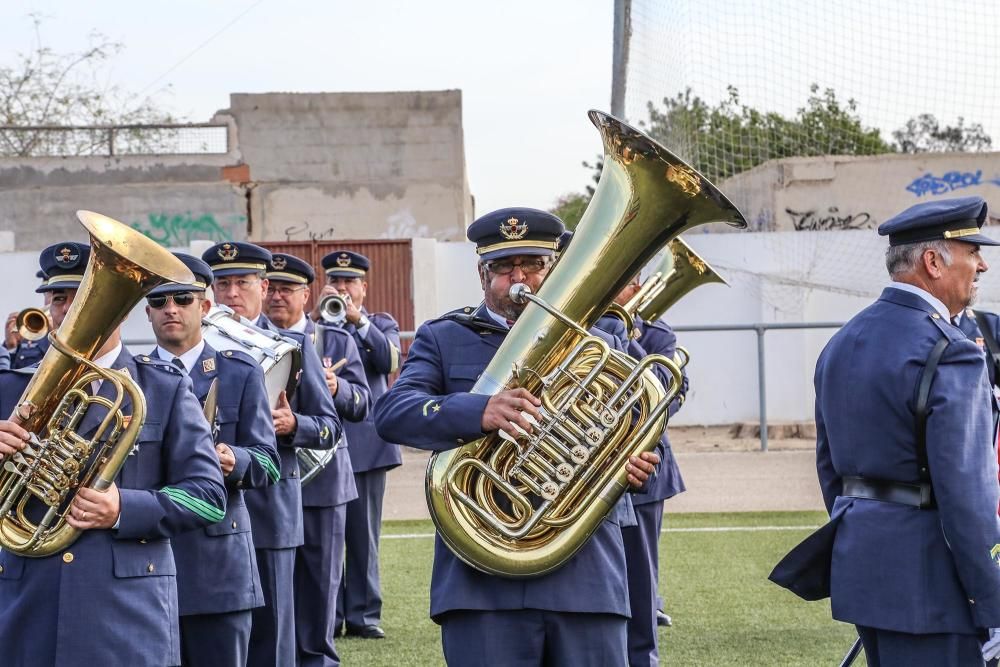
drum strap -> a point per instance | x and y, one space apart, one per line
320 340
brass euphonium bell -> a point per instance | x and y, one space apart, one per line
523 508
124 266
680 271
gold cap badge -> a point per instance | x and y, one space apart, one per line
228 252
513 229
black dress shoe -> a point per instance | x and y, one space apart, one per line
662 619
365 632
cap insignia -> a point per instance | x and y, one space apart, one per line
228 252
279 262
513 229
344 260
66 256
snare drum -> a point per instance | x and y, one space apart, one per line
279 357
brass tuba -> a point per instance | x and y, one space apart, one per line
680 271
124 266
523 507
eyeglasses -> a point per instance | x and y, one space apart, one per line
284 290
503 267
242 284
182 299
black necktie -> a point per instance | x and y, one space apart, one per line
176 361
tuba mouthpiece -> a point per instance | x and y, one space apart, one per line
519 293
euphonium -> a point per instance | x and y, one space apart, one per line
33 323
124 266
523 508
680 271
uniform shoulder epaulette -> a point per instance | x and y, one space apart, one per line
156 362
467 317
236 355
660 325
384 316
951 332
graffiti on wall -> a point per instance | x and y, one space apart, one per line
179 229
832 218
304 231
929 184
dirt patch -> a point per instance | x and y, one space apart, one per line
721 438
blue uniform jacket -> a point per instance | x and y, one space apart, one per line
659 338
276 510
29 352
111 597
443 364
242 421
4 359
970 326
334 485
894 566
380 355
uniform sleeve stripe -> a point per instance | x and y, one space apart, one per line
268 466
394 356
196 505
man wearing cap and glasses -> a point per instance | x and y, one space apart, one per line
359 601
111 596
319 560
215 601
577 614
904 453
309 420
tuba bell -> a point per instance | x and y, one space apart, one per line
680 271
520 505
33 323
124 266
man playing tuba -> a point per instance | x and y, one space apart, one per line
575 615
111 597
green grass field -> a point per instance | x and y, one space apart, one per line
714 582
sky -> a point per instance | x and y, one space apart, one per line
528 71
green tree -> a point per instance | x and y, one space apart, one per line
45 88
923 134
732 137
570 208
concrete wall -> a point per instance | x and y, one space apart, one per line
354 165
171 198
299 167
845 192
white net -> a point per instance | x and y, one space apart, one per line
731 84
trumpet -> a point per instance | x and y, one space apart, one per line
333 309
33 323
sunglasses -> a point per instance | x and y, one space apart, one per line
158 301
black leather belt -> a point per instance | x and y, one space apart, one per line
916 494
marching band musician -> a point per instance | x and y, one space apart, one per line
577 614
642 540
309 420
359 600
319 560
111 597
25 353
217 583
911 552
